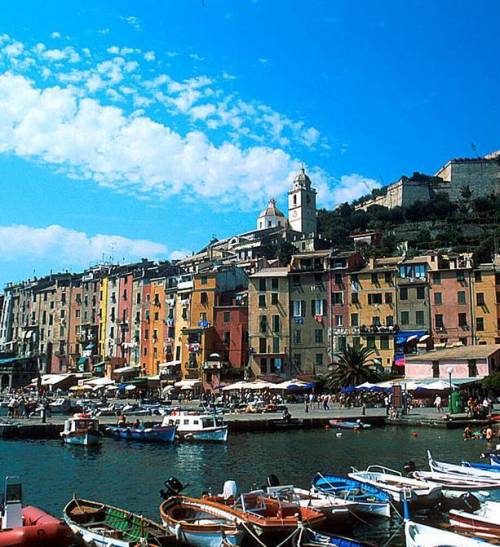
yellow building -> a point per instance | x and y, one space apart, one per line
372 308
103 314
484 312
181 304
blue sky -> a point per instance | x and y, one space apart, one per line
144 128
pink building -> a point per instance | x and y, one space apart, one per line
462 362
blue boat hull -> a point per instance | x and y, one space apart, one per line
483 466
147 434
312 538
368 499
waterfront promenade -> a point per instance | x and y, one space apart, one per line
269 421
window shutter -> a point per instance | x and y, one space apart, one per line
324 307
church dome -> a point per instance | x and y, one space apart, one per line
271 210
302 180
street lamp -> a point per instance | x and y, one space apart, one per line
449 370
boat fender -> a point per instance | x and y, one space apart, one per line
338 434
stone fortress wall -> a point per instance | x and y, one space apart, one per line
481 175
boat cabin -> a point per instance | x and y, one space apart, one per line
12 504
81 422
193 422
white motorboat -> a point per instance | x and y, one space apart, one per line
400 488
81 429
421 535
484 522
457 482
198 427
331 506
443 467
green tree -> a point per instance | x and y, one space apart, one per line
492 383
354 367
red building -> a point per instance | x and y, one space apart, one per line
231 329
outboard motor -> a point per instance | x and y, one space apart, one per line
173 487
409 467
272 480
230 490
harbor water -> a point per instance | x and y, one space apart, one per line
130 475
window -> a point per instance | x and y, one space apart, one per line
297 359
298 308
276 323
262 284
370 342
146 334
263 324
296 281
263 365
389 321
318 336
388 298
375 278
354 319
339 320
337 298
435 369
137 300
472 365
354 298
403 293
274 283
262 300
341 343
319 360
479 323
384 342
204 298
274 299
262 345
338 279
318 307
462 319
203 317
227 316
157 316
436 278
227 338
204 279
356 342
461 297
460 276
438 298
480 299
419 317
276 345
405 318
388 277
296 337
376 321
438 321
420 293
61 331
478 277
374 298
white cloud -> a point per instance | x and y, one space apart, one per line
69 53
133 154
55 35
196 57
263 61
14 49
67 246
149 56
352 187
133 22
179 254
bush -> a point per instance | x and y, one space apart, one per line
492 383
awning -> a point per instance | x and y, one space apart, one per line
189 384
169 364
424 337
100 365
55 379
124 370
100 382
402 337
89 346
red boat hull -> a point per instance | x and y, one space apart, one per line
40 529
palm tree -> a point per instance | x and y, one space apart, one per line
354 367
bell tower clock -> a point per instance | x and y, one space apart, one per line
302 205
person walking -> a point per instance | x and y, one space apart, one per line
438 403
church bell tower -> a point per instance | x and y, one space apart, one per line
302 205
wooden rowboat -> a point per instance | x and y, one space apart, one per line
107 526
486 520
201 522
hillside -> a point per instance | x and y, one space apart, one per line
469 225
